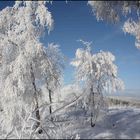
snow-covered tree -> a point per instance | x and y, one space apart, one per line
114 11
97 73
55 71
25 62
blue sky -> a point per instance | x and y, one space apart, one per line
73 21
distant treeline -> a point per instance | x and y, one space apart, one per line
121 102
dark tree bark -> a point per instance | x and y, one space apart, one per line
50 107
92 124
37 113
92 104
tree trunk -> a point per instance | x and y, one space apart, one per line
92 106
37 113
92 123
50 107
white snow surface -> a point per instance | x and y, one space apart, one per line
117 123
120 122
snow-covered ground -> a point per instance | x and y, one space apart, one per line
120 122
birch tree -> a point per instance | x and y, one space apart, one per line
25 61
97 73
53 78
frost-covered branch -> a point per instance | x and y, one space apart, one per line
133 28
114 11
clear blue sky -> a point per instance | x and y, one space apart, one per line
73 21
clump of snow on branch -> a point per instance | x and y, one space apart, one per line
38 12
101 11
133 28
